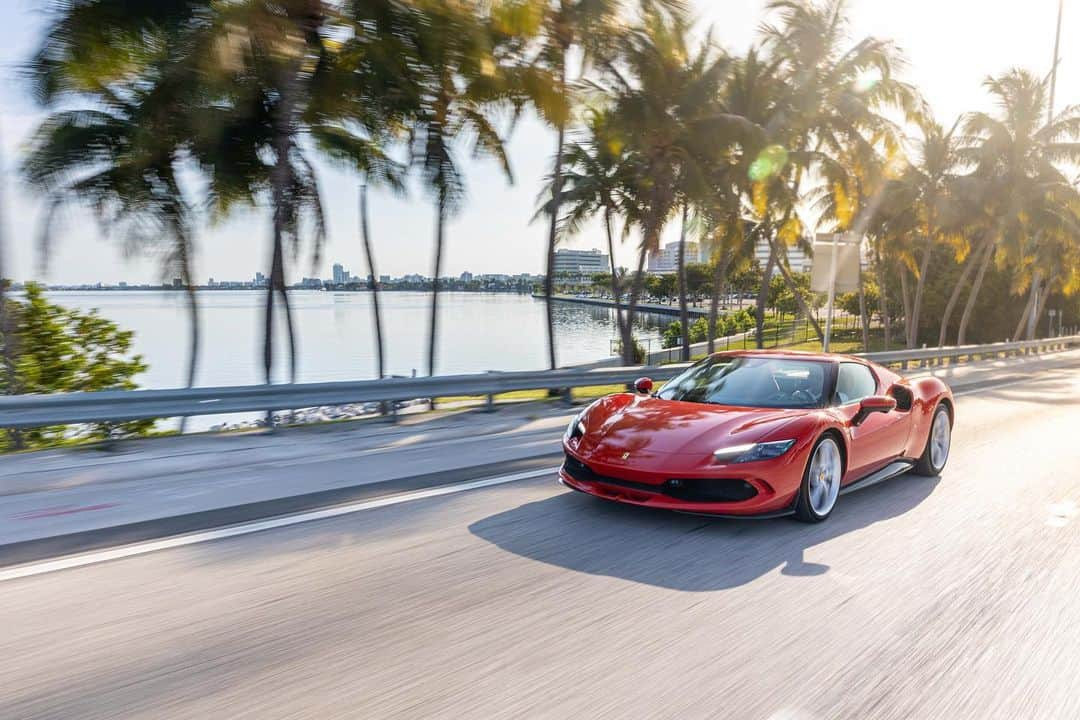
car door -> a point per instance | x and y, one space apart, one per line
880 437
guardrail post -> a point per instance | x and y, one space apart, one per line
489 404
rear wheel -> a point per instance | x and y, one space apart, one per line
938 443
821 482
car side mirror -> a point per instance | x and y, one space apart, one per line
643 386
873 404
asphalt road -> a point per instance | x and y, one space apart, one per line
956 597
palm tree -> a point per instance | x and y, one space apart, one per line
653 52
731 248
361 108
592 184
757 91
1014 155
262 68
929 183
833 97
590 27
664 103
120 153
706 133
458 84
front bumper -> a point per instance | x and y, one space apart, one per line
740 492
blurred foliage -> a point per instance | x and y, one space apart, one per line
57 349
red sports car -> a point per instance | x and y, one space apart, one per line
759 433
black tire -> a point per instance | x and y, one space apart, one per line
804 508
926 466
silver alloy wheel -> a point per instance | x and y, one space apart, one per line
940 439
824 477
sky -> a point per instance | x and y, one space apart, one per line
951 46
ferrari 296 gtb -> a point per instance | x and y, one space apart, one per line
759 433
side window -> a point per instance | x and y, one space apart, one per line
853 383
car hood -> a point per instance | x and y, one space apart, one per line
647 426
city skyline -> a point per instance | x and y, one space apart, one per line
493 233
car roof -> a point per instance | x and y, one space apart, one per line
792 355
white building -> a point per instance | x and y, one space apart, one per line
580 262
666 260
798 259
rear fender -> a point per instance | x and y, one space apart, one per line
929 393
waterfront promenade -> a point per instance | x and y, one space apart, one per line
655 308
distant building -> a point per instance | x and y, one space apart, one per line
341 275
798 259
311 284
666 260
466 276
177 283
384 279
260 280
580 262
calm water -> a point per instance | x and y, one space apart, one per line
478 332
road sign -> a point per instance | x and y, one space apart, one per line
845 249
835 268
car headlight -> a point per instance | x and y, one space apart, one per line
576 428
752 452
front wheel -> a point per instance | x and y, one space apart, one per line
938 443
821 482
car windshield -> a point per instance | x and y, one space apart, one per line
750 382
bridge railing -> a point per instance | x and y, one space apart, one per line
25 411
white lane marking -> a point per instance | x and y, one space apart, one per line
93 558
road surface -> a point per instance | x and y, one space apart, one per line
956 597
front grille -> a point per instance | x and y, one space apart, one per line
703 490
580 471
707 490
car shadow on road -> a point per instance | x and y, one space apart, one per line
681 552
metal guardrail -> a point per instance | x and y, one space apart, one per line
23 411
935 355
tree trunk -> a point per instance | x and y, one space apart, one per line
920 282
684 311
781 258
284 128
969 264
1032 292
277 256
864 315
973 296
1044 295
195 338
905 298
556 199
434 332
762 298
616 293
789 281
719 277
636 288
883 300
376 311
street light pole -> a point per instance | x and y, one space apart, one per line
1033 318
832 293
1054 68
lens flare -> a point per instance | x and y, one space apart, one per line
867 81
768 163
